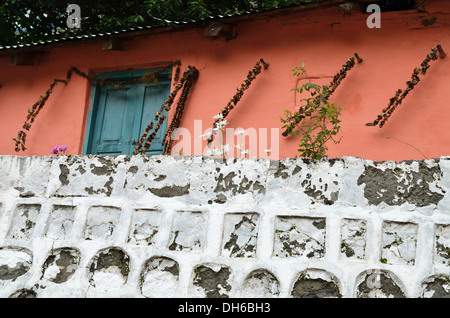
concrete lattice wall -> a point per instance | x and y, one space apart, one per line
87 226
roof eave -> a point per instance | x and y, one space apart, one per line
176 26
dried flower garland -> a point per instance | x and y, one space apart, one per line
150 76
237 97
400 95
32 113
186 80
168 141
337 79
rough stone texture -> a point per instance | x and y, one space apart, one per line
159 226
159 277
315 284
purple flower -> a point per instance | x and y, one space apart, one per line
59 150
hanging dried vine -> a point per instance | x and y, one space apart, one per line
240 92
297 117
32 113
150 76
168 141
395 101
185 82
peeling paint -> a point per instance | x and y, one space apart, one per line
160 226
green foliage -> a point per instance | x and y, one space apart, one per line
25 21
318 119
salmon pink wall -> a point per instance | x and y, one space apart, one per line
323 39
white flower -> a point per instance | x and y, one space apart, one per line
245 152
239 147
222 122
267 150
212 152
241 132
206 135
218 116
225 148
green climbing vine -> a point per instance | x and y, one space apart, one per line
317 119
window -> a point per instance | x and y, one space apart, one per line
119 115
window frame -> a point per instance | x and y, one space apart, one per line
124 75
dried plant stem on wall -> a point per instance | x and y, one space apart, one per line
240 92
150 76
168 141
185 82
296 118
407 143
32 113
395 101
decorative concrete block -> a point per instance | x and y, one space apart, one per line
60 222
101 222
240 234
260 283
159 278
23 221
353 238
109 269
442 244
211 281
399 243
297 236
188 231
144 227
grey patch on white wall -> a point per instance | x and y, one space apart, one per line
109 269
101 222
436 286
159 175
187 231
211 281
159 278
399 241
14 262
319 180
61 264
23 293
377 283
353 238
23 221
73 171
442 244
260 283
297 236
240 234
144 227
413 182
316 283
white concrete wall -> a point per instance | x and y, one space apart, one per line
87 226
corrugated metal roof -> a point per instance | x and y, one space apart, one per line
166 23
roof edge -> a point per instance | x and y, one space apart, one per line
174 27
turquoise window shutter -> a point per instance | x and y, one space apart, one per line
119 116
